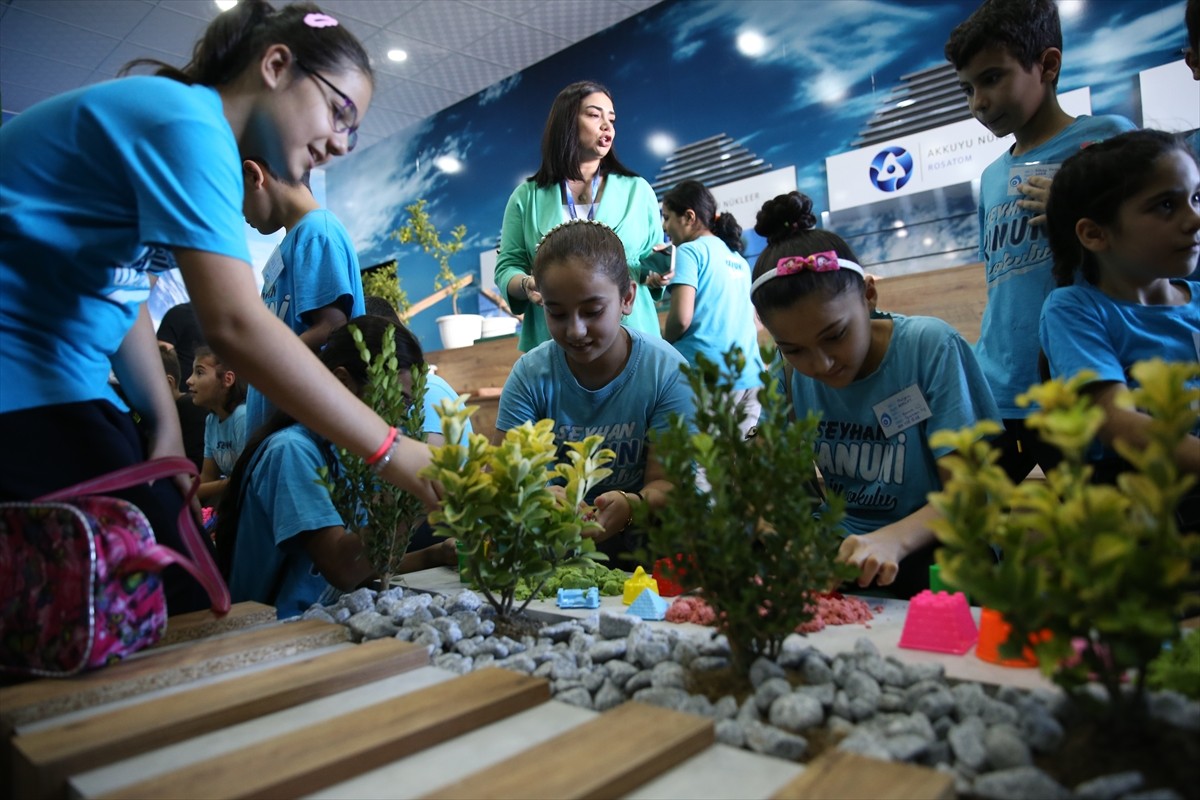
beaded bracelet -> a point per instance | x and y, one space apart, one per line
384 449
379 465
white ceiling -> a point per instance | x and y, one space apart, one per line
455 47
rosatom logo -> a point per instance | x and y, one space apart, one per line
891 169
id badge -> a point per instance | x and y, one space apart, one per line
901 411
1021 173
271 271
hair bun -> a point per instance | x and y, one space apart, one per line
784 216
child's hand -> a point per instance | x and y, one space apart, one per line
876 558
656 280
614 512
1036 191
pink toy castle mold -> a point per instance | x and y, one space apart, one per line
939 622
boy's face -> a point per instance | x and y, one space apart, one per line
1002 94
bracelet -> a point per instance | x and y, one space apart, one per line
525 280
379 465
384 448
638 495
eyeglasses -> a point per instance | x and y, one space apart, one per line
345 118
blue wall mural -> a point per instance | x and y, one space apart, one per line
677 76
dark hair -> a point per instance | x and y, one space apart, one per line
1092 184
340 351
788 224
593 243
237 392
171 366
560 139
238 36
694 195
1191 18
377 306
1026 28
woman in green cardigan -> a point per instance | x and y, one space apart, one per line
580 177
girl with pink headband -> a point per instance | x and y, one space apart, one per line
881 386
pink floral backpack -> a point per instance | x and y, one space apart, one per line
80 574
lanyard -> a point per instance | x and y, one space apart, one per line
571 199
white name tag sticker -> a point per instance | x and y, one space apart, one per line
1023 172
271 270
901 411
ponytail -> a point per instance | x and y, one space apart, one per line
695 195
238 36
726 228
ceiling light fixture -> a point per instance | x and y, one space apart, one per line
225 5
396 54
751 43
448 164
661 144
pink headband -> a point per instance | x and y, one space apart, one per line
818 262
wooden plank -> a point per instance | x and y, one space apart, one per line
199 624
607 757
849 776
46 758
316 756
157 669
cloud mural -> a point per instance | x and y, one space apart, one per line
675 69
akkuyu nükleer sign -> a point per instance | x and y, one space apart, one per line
939 157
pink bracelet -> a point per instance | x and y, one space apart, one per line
383 448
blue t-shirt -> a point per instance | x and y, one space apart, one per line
639 400
314 266
885 478
723 315
1083 328
281 500
91 181
1018 261
437 390
224 439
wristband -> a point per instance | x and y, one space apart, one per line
384 448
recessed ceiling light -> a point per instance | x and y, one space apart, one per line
448 164
751 43
397 55
225 5
661 144
1070 8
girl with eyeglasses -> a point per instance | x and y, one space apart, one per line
95 181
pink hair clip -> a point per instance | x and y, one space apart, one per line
315 20
817 262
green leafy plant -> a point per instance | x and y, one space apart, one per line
418 228
1101 568
753 544
499 505
381 514
1178 669
382 280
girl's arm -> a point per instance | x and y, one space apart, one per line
272 358
323 321
338 556
877 555
138 366
614 510
1133 427
679 317
211 483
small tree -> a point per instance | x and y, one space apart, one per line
754 544
381 280
419 228
1102 565
383 515
498 503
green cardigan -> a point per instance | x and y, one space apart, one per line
627 205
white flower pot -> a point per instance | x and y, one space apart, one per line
499 326
459 330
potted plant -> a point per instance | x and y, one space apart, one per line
498 503
1104 569
457 330
751 544
381 514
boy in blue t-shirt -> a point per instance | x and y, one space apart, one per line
312 280
1008 55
